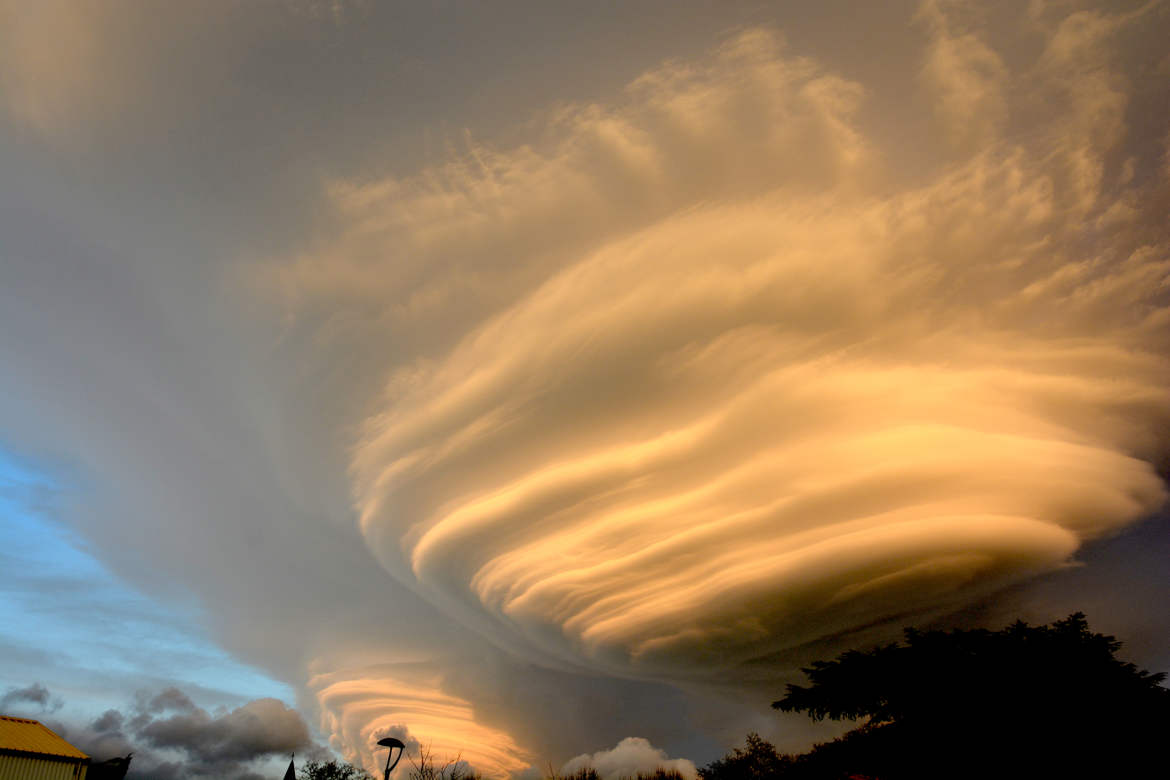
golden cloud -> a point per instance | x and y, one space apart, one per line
692 379
361 706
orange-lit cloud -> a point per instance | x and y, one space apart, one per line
699 376
406 701
595 422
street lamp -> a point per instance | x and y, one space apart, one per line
391 742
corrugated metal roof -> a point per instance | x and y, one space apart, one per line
30 736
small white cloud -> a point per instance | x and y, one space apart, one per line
626 759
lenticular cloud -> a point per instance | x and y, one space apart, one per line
703 376
748 422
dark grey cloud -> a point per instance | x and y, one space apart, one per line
259 728
35 696
402 733
169 700
172 737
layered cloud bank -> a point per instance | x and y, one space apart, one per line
599 428
701 376
404 700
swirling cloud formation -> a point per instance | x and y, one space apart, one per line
706 374
365 705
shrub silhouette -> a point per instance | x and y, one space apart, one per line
332 770
759 760
584 773
589 773
657 774
425 766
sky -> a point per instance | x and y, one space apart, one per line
546 383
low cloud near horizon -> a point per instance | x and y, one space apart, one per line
171 737
631 756
650 398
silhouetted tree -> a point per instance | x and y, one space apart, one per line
584 773
332 770
1026 701
589 773
758 760
426 767
658 774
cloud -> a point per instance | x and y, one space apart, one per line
369 703
73 70
855 385
626 759
66 64
170 736
638 405
260 727
36 694
694 380
167 700
439 251
969 80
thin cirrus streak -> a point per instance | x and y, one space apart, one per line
706 377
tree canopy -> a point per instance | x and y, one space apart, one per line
757 760
1024 701
332 770
974 673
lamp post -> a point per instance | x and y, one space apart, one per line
391 742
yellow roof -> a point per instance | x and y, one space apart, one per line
30 736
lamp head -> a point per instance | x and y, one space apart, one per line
391 742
